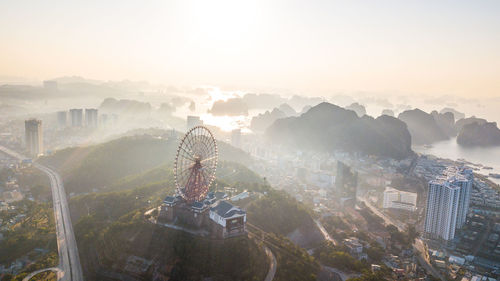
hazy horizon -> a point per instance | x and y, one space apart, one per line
325 47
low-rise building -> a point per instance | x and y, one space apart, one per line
214 213
355 248
228 220
397 199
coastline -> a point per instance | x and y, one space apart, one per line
484 160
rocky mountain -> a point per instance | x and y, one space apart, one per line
231 107
445 121
287 109
305 109
326 127
358 108
388 112
124 106
479 134
262 101
422 126
464 121
262 121
457 114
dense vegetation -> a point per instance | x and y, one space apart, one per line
279 213
337 257
36 229
294 263
36 182
100 166
406 238
233 172
382 274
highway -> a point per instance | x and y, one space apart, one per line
69 261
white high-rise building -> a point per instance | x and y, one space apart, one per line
236 138
34 137
62 119
397 199
463 178
91 117
448 202
76 117
193 121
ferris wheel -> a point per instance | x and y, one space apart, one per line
195 164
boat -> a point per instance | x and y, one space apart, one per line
496 176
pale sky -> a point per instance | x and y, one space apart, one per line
316 47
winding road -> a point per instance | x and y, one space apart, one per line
69 266
272 264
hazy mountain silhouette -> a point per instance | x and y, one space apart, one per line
358 108
445 121
458 115
327 127
422 126
388 112
262 121
231 107
464 121
124 106
287 109
479 134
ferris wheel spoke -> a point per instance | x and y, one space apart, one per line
184 171
207 178
188 183
207 159
191 157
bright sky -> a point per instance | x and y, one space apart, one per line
316 47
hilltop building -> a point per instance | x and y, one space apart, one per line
448 202
355 248
218 216
34 137
227 220
397 199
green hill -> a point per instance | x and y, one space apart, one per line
99 166
279 213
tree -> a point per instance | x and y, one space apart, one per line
412 233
